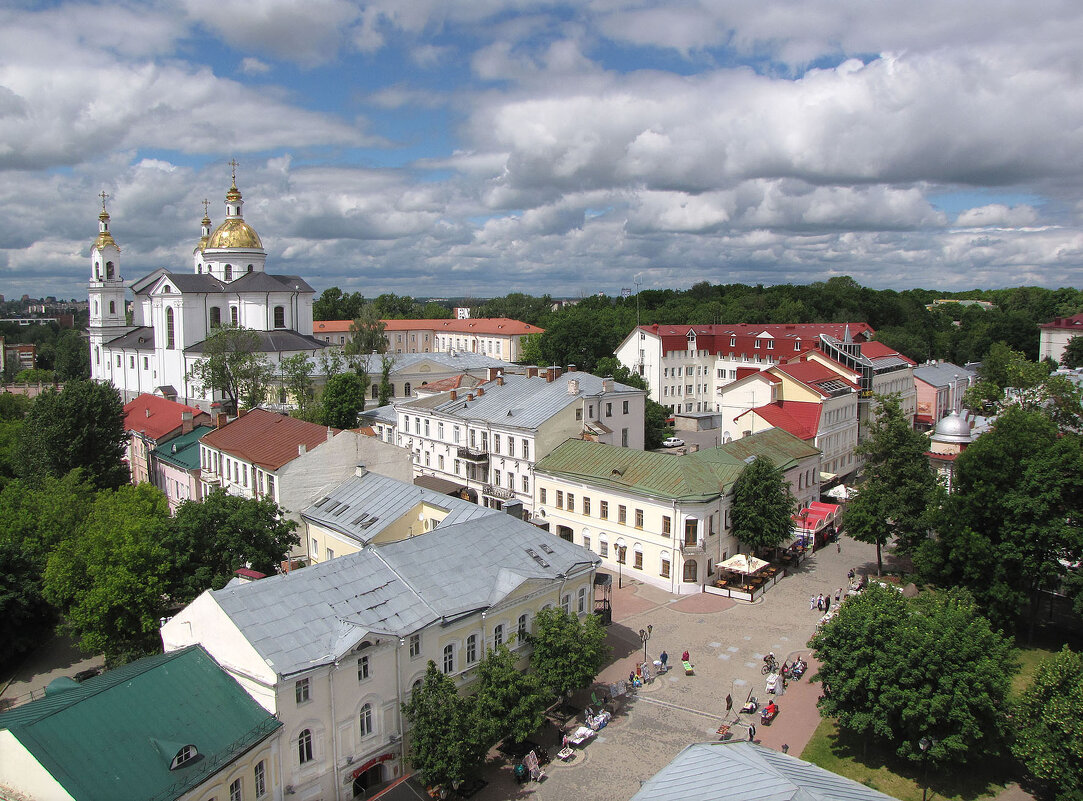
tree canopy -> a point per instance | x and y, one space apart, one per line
895 670
1049 726
233 365
1073 353
444 747
343 399
505 702
366 333
386 390
297 381
567 652
762 505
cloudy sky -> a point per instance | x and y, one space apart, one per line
431 148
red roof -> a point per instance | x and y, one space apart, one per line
878 350
788 338
267 439
331 326
247 572
812 374
502 326
797 417
1074 322
156 416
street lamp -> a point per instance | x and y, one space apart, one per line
925 744
620 565
645 634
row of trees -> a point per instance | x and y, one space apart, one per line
451 733
62 353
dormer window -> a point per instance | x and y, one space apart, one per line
757 344
797 345
770 344
733 342
187 754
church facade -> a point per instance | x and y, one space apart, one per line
174 313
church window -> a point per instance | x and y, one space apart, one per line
216 316
112 307
229 272
406 389
249 268
109 269
118 360
233 315
95 308
97 355
97 271
170 341
199 269
280 316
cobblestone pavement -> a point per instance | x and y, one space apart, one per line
726 640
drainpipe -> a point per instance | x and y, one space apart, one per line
398 695
334 729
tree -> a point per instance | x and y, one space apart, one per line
297 379
568 652
211 539
1049 726
1073 353
442 745
80 426
343 399
893 502
72 359
895 670
109 581
234 366
762 505
386 389
24 612
506 701
366 333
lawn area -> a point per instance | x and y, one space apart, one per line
1028 660
900 779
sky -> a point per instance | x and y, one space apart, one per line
481 147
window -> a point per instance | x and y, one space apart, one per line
541 495
586 505
112 307
449 658
259 779
664 572
471 649
637 560
229 272
586 541
170 339
496 443
300 691
511 446
691 531
581 600
183 757
770 344
621 551
280 316
365 720
498 634
603 511
566 604
667 525
625 407
520 632
560 499
639 518
146 362
622 514
526 449
603 548
362 668
131 362
579 413
233 314
304 747
330 554
526 483
690 570
571 502
216 317
609 410
415 646
624 437
235 790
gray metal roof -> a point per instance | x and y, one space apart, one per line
381 414
363 506
940 375
206 283
404 362
281 339
315 615
141 338
743 771
521 402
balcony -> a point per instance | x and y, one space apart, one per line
499 492
691 547
210 477
472 455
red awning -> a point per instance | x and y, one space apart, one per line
372 763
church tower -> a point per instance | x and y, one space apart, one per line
205 235
234 249
106 292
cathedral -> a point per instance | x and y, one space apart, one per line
173 313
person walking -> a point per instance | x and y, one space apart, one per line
838 595
751 731
820 602
663 658
812 602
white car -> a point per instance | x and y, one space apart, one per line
672 442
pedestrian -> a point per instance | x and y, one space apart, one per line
820 602
850 575
838 543
812 602
663 658
838 595
827 603
751 731
684 657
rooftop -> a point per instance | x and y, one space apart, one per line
156 416
267 439
183 451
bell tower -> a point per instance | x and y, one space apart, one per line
106 291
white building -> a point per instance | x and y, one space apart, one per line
496 337
333 650
1053 337
174 312
661 518
488 439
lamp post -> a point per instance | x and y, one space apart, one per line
925 744
645 634
620 565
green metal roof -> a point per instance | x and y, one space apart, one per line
113 737
694 477
183 451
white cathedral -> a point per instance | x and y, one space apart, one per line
173 312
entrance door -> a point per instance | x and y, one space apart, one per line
370 778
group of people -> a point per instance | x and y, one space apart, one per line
822 602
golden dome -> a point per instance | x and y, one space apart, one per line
105 238
235 233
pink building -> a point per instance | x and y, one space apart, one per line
150 421
940 388
175 467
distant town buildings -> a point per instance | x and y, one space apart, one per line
496 337
940 386
1053 336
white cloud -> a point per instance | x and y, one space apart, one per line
997 214
253 66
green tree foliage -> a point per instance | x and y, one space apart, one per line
297 380
443 744
762 505
72 359
386 390
893 502
109 581
209 540
1013 516
81 426
506 702
234 366
896 670
13 407
1049 726
334 304
1073 353
568 652
367 333
24 612
342 400
517 306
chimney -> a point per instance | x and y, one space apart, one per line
302 449
147 412
330 434
573 386
481 391
454 395
532 372
572 368
500 380
360 470
494 373
470 397
607 384
220 419
186 422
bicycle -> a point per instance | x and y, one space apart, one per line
769 666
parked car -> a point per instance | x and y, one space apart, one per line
672 442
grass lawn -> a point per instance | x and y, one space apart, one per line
884 772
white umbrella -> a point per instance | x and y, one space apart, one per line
743 563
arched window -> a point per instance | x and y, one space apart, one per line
280 316
216 316
109 269
199 271
170 340
97 271
249 268
366 720
498 634
406 389
233 315
521 631
691 568
304 747
229 272
449 658
95 308
112 307
184 756
566 604
471 649
415 687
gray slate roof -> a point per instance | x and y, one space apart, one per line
315 615
281 339
363 506
940 375
404 362
381 414
521 402
141 338
743 771
206 283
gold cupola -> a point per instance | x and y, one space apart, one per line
234 232
105 239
